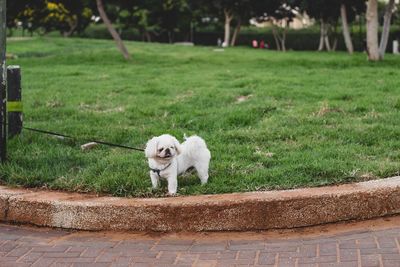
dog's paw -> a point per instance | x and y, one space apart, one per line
172 194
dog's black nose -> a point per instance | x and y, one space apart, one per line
167 151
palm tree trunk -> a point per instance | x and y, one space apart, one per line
386 28
345 29
112 31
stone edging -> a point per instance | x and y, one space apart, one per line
227 212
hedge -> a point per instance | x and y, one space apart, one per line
306 39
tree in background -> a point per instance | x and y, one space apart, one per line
348 11
372 30
345 28
152 17
141 15
390 7
167 19
376 50
228 8
78 15
112 31
173 16
66 16
27 12
204 14
14 8
55 17
279 13
243 11
227 11
327 13
224 9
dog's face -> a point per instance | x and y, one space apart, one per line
163 147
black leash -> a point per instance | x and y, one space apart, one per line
85 140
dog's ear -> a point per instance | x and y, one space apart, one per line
151 148
178 146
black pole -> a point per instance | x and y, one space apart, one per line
14 103
3 81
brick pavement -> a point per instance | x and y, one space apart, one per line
372 243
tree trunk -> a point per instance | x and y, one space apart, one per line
335 37
327 44
372 30
72 27
191 32
112 31
334 44
147 35
386 28
228 19
321 36
283 39
170 38
275 34
326 38
345 29
236 32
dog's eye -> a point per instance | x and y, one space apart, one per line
172 147
160 150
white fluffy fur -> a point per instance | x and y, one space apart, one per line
191 153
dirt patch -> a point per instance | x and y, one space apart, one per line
243 98
326 109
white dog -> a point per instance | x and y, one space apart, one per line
168 158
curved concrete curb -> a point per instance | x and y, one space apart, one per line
238 211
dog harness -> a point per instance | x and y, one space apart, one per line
158 171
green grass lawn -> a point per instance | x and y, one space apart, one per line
306 119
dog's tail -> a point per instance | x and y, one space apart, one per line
194 145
